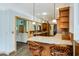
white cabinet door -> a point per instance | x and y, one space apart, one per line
19 37
24 37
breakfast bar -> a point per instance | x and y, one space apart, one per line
50 46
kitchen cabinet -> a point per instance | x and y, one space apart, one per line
22 37
64 18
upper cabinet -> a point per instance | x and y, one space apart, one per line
64 18
63 12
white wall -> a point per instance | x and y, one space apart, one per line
71 19
76 22
6 42
7 26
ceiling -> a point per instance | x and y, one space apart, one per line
43 11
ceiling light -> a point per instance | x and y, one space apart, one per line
42 21
54 21
33 23
44 13
57 8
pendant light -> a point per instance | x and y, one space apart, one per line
33 14
54 21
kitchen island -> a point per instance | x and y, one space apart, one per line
50 46
76 47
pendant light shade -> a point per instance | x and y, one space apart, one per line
33 23
54 21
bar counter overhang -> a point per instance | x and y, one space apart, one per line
50 46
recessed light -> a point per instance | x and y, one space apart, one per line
57 8
33 23
44 13
54 21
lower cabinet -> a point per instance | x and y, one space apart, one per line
22 37
77 49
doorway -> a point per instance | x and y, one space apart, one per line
21 37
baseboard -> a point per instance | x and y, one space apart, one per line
13 53
7 52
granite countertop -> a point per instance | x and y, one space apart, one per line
50 40
40 32
77 41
